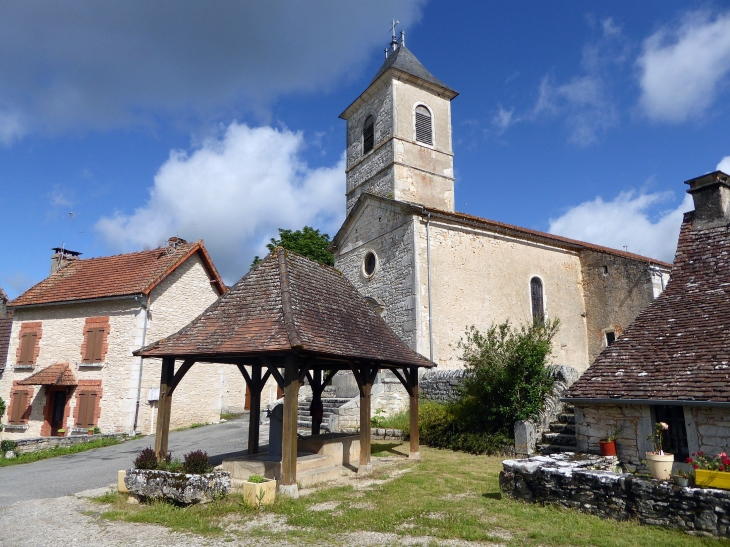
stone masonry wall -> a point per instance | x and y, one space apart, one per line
384 230
616 290
441 386
481 277
588 485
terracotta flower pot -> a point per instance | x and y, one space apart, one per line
608 448
660 465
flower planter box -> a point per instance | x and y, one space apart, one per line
252 492
179 487
712 479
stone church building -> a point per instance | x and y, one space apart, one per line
432 271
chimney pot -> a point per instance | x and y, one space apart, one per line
61 257
711 196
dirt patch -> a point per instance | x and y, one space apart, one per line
325 506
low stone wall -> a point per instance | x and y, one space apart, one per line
587 483
40 443
441 386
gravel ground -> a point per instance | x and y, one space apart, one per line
74 520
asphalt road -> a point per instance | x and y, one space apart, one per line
66 475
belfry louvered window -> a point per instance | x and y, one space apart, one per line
538 304
368 135
424 129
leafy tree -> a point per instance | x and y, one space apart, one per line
306 242
506 379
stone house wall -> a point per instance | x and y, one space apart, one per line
180 297
616 290
708 429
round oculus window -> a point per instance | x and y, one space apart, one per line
369 263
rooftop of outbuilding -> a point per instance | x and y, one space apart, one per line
288 302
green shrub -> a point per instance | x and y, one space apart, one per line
256 479
196 463
2 407
401 420
7 445
506 379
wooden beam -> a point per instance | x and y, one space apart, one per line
329 377
415 451
315 409
402 380
256 385
288 482
184 368
164 404
365 393
246 377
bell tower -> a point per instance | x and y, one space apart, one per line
399 134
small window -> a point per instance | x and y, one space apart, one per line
538 304
369 263
424 129
27 348
605 270
19 411
368 135
610 338
675 438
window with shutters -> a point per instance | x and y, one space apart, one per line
538 300
368 135
19 409
94 347
424 126
28 344
88 404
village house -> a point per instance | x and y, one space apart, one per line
69 363
431 271
673 363
6 321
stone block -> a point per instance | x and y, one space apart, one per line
179 487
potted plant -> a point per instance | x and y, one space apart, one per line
607 445
61 432
681 477
660 464
90 431
258 491
711 471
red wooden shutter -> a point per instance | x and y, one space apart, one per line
279 392
23 348
27 348
90 343
90 409
83 403
20 405
247 401
97 345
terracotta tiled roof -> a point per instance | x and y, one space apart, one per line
6 324
290 302
678 348
59 374
118 275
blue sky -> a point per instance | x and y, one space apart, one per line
122 124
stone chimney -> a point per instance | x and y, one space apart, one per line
711 194
61 257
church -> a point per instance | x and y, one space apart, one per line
432 272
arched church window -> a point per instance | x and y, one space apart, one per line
368 135
369 263
538 301
424 128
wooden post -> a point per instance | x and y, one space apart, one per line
164 405
288 482
255 410
365 392
316 385
414 453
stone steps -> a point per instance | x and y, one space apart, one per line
329 406
561 435
566 418
559 427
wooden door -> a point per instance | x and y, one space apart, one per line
57 409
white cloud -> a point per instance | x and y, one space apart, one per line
724 165
681 69
233 191
101 64
504 118
626 221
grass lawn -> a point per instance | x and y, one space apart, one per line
446 495
58 451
